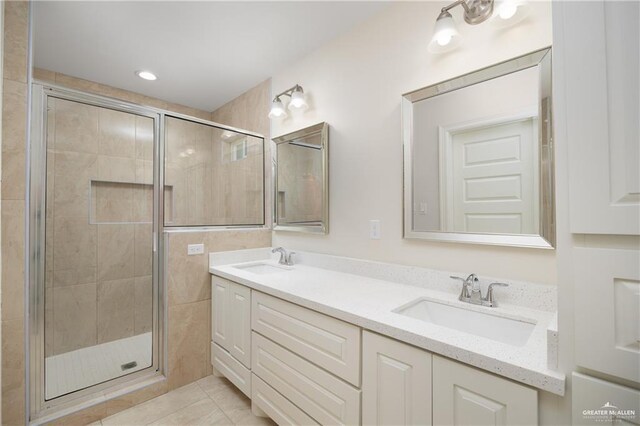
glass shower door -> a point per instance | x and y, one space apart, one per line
98 257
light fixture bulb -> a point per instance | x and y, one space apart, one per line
146 75
509 12
445 34
444 39
298 101
277 109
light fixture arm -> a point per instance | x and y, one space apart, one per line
475 11
289 92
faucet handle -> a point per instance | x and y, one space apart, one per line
290 258
464 293
488 299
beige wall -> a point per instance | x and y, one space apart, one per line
250 111
355 84
14 113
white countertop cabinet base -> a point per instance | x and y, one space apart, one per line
303 367
396 382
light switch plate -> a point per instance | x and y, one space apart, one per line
193 249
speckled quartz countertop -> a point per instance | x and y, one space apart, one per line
366 294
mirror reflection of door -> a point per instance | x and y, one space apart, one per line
489 178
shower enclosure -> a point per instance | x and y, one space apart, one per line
99 202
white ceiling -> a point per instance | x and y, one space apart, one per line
204 53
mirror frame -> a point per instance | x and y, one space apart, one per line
546 238
323 226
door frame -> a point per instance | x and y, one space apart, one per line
445 156
39 409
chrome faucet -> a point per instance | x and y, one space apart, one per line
472 293
285 258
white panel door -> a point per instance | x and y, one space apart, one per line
607 311
600 53
613 404
493 182
239 317
220 289
396 382
464 396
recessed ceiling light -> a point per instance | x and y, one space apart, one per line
146 75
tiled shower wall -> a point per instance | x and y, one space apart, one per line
188 283
99 226
208 185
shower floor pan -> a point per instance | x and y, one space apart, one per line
71 371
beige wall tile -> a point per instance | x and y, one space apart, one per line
113 202
143 307
189 342
74 247
77 127
116 304
13 260
138 397
14 115
188 276
16 33
13 372
74 320
239 240
73 172
144 138
115 251
117 133
83 417
116 169
143 249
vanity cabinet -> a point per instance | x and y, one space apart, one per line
463 395
396 382
302 367
231 331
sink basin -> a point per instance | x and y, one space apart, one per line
263 268
506 330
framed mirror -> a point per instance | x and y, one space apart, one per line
478 156
301 198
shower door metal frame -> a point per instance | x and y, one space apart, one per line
40 409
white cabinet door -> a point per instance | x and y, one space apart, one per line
231 318
220 289
396 382
597 402
599 54
463 395
607 311
240 323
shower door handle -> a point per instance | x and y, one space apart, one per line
155 242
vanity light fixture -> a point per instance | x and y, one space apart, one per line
297 102
146 75
503 13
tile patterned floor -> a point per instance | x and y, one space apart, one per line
209 401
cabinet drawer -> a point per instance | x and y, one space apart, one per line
463 395
590 394
231 368
279 408
324 397
330 343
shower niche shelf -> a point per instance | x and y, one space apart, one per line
113 202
